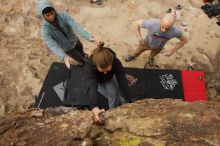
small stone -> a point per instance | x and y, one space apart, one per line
94 1
87 142
63 126
184 23
36 113
40 124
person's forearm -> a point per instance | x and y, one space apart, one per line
56 51
87 36
178 46
76 27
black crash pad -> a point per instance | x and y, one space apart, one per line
144 83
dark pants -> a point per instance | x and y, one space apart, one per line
77 52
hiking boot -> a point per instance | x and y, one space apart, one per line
129 58
151 61
150 64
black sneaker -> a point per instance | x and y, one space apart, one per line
129 58
151 61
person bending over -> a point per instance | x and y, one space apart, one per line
159 33
109 77
59 32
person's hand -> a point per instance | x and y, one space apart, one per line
141 41
94 41
97 115
67 61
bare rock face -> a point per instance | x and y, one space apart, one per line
38 127
146 122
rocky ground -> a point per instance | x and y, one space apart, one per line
144 123
25 59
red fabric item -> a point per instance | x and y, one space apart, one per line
194 86
205 1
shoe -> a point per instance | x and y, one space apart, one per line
151 61
129 58
148 65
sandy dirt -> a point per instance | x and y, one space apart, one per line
25 59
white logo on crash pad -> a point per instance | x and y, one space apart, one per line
168 81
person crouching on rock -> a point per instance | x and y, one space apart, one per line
109 76
58 31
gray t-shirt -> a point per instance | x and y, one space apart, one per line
157 39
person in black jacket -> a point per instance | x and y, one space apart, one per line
109 78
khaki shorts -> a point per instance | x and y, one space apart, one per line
143 47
